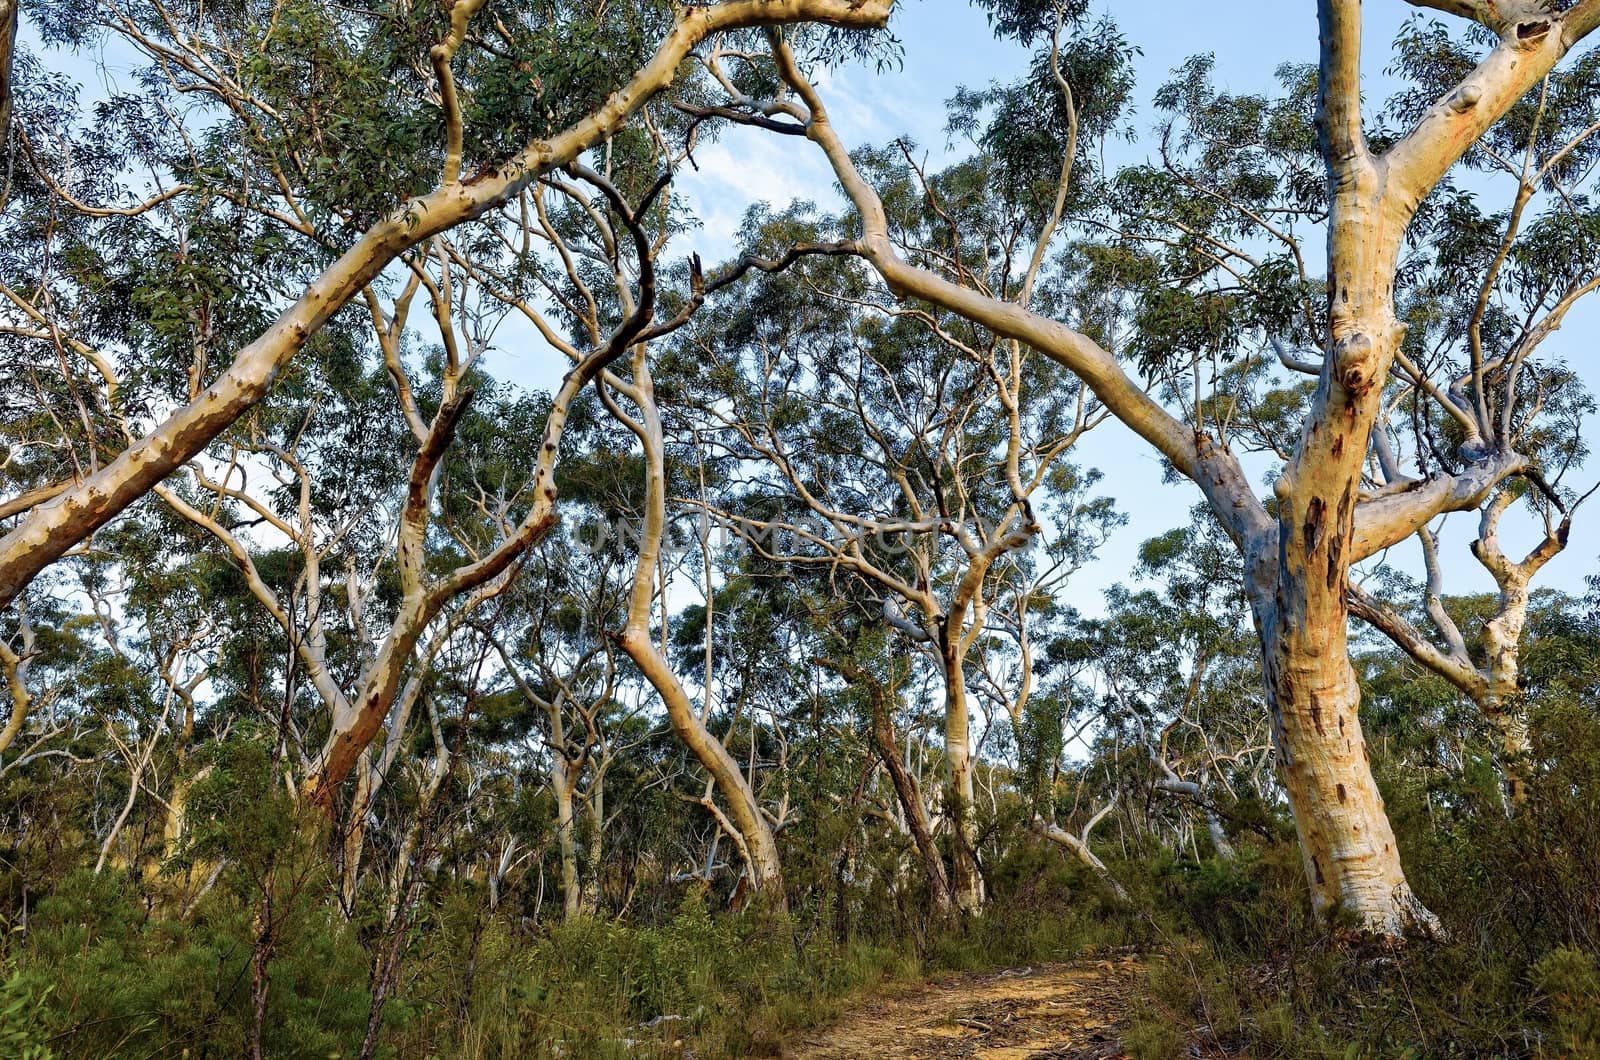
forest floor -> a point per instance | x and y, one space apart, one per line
1073 1011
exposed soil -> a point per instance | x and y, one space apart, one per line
1070 1011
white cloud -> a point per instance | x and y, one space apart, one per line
744 167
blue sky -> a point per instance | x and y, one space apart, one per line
947 43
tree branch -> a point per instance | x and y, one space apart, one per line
1500 17
1217 474
1339 84
1528 52
1380 616
52 529
461 12
1389 518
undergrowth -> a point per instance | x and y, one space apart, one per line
1238 963
1246 969
101 975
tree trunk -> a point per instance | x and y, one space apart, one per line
561 783
1511 733
266 928
965 882
14 668
1503 702
1219 837
355 832
590 899
1346 842
761 845
1348 847
743 809
905 789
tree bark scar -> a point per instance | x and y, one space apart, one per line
1341 534
1312 529
1316 714
1339 788
1531 32
1466 98
1316 868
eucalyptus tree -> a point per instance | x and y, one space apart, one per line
873 673
112 660
606 233
748 646
1438 742
330 143
1484 291
311 468
1289 172
1178 673
1490 677
558 654
631 398
896 445
264 202
1488 672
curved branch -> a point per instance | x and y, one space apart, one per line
1380 616
1388 518
1214 470
54 528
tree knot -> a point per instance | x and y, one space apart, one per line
1465 98
1352 362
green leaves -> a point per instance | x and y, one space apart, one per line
1039 746
1028 20
1023 126
21 1033
363 139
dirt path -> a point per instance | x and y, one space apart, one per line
1061 1012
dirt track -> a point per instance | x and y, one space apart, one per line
1062 1012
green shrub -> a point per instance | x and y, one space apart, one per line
1570 984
